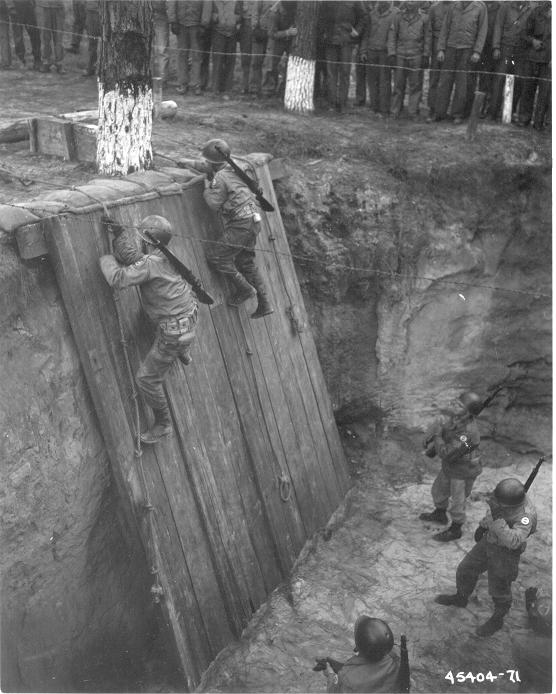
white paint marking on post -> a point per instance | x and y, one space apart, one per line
508 99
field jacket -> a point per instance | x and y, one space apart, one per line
509 26
409 35
458 449
188 13
375 36
464 27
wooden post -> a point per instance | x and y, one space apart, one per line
508 99
474 116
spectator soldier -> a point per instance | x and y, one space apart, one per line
536 66
281 20
408 49
167 300
233 254
457 446
92 22
501 538
185 22
343 23
508 52
375 53
224 17
460 43
50 18
437 12
22 14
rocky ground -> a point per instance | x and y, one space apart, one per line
391 224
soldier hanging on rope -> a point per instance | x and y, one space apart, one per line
237 204
168 301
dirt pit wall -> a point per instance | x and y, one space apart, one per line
426 281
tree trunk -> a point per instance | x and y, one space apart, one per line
300 76
125 93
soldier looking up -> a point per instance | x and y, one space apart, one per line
457 446
168 302
500 542
233 254
375 668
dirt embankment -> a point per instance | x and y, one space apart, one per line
425 266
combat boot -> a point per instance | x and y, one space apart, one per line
437 516
457 600
160 428
496 621
263 306
244 290
452 533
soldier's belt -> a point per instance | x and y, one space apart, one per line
178 325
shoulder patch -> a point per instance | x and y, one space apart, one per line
524 520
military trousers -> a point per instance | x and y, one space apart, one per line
173 340
379 82
445 488
235 250
51 22
456 72
407 72
501 565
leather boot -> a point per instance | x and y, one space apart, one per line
263 306
436 516
452 533
243 290
496 620
457 600
160 428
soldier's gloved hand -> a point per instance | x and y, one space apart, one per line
479 533
440 56
111 225
475 57
496 54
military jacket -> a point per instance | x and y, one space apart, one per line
465 25
458 448
164 293
360 675
510 526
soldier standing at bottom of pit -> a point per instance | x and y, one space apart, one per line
233 254
457 446
167 300
375 668
501 539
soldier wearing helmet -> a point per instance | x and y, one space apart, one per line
167 300
457 445
233 254
375 668
501 539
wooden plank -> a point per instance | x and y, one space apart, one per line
340 480
224 408
15 132
198 476
262 451
79 116
80 299
53 136
85 137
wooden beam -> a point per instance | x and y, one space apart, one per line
15 132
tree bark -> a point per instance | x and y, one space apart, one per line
125 87
300 76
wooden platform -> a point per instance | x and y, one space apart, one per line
255 466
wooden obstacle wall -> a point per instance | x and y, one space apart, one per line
255 465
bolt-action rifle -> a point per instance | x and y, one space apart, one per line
405 682
428 444
187 274
249 182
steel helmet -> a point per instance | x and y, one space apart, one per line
541 611
211 153
158 227
373 638
471 401
509 492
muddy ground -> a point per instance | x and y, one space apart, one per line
374 557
